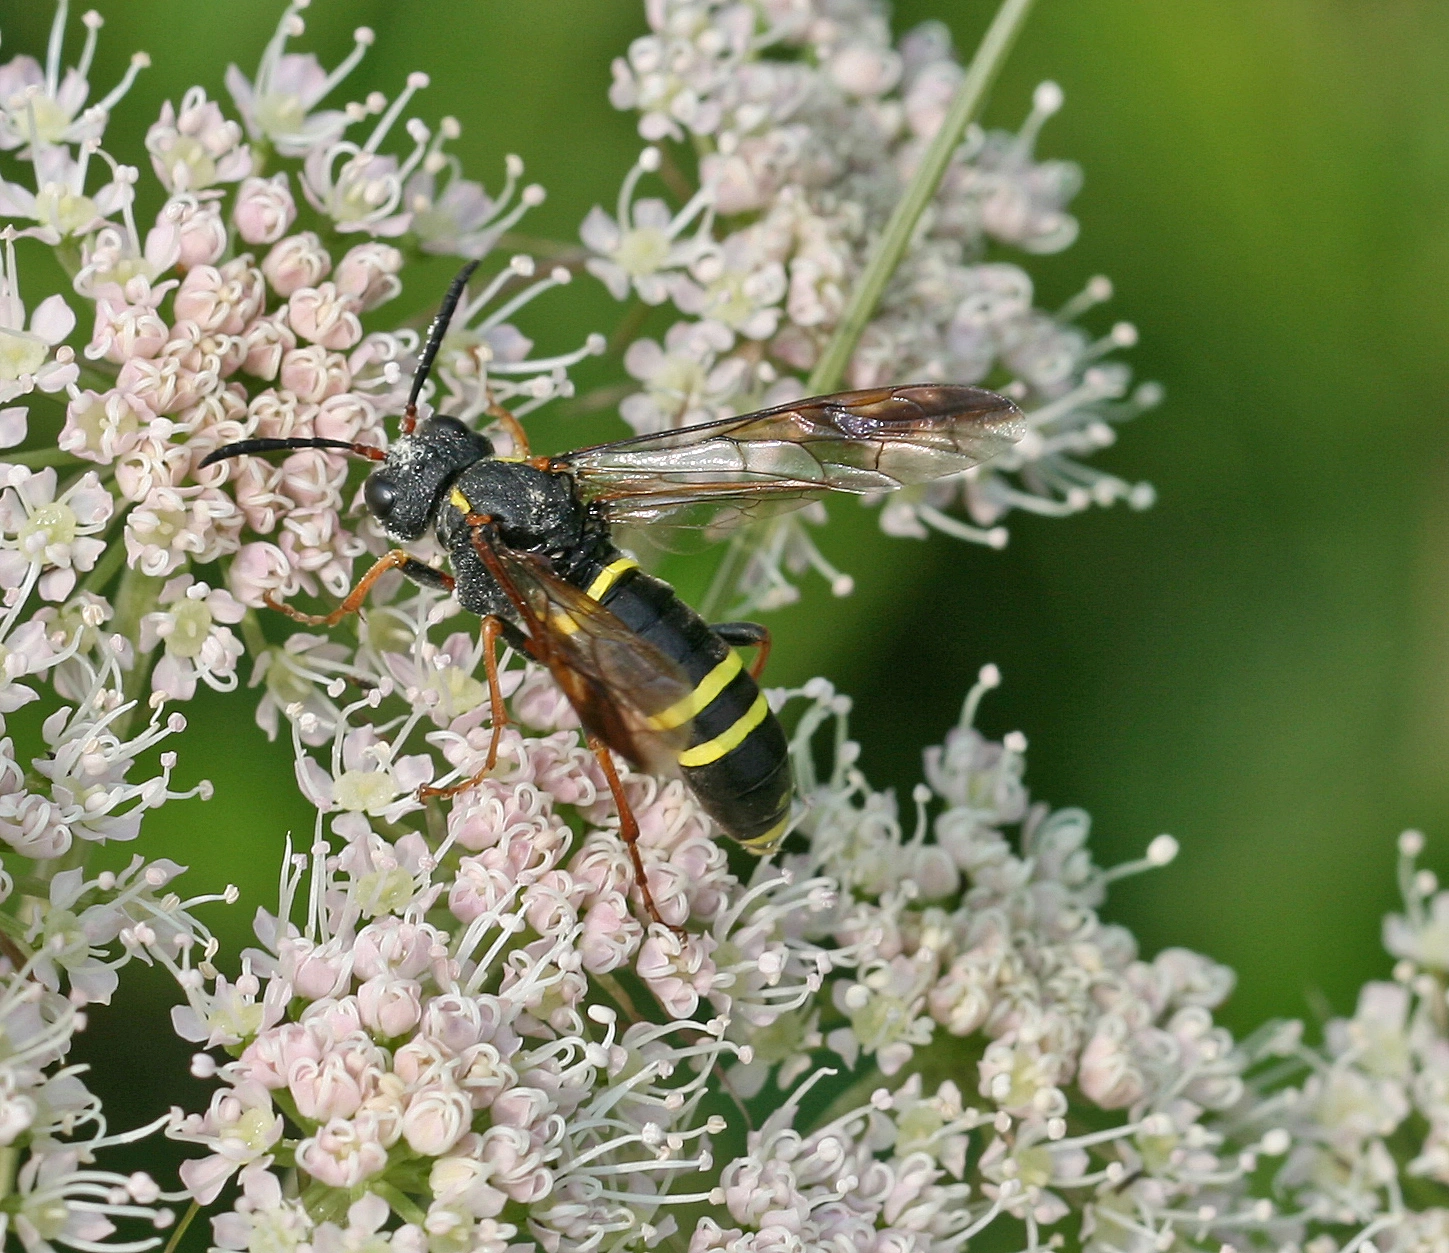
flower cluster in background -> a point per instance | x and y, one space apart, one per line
800 125
459 1030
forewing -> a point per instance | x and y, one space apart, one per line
616 681
718 474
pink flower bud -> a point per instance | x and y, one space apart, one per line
269 1059
254 484
334 1085
314 972
123 331
163 385
313 374
458 1022
264 209
348 416
521 1107
156 461
436 1116
296 262
482 1073
224 299
259 568
312 479
1107 1074
461 1182
611 934
865 69
223 411
324 316
196 227
342 1154
368 273
390 1007
278 415
391 946
267 339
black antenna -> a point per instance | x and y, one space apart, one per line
435 339
247 446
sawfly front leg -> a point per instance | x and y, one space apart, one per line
425 575
512 425
628 828
394 560
492 629
747 635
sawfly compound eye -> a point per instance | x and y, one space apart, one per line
380 494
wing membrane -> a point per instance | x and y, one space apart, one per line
717 474
615 681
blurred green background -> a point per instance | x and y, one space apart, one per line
1259 665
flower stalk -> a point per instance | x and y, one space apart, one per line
895 240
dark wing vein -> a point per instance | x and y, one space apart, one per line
719 473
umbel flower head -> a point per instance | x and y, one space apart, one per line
460 1028
812 121
911 1028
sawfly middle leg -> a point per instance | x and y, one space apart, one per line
491 630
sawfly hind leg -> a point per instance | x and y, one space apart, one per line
492 629
394 560
629 831
747 635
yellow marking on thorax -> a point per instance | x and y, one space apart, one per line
713 750
608 576
705 691
459 501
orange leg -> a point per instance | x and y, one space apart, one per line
510 424
389 561
628 829
492 629
762 655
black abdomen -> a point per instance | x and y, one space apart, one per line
737 763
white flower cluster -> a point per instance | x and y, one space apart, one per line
801 122
460 1031
238 311
228 320
449 1019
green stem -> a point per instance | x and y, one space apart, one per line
104 570
192 1211
547 249
9 1159
252 637
891 247
401 1205
37 457
629 327
135 598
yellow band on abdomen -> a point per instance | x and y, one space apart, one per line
713 750
705 691
608 576
765 844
